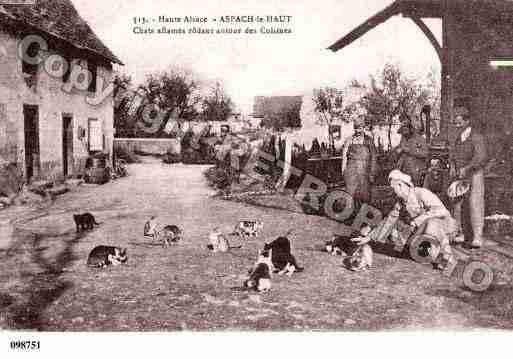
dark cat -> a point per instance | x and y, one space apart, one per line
84 221
102 256
345 245
281 256
341 245
260 275
170 234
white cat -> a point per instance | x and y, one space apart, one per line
217 242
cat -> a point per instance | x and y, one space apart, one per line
341 245
170 234
102 256
344 245
150 228
84 221
362 259
260 275
217 242
167 234
281 256
248 228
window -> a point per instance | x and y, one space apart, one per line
95 135
93 70
32 52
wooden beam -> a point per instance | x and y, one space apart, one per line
429 34
447 70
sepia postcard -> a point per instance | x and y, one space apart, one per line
244 168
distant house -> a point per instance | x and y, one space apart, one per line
47 125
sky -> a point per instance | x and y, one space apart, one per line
261 64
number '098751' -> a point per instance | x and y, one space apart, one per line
25 345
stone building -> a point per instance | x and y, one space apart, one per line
55 105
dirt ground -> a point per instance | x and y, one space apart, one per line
46 285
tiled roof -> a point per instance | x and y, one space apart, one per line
60 19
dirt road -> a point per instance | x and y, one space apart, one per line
45 284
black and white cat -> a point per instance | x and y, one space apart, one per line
102 256
248 228
281 256
84 221
340 245
260 275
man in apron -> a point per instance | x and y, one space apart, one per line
359 162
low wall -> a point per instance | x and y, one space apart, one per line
151 146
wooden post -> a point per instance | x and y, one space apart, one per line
447 95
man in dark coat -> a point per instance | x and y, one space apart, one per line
413 151
468 160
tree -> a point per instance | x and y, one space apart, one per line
280 112
217 106
123 95
329 104
390 96
173 92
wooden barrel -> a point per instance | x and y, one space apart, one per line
96 169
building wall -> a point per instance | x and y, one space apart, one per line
53 102
490 89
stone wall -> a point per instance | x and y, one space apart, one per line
152 146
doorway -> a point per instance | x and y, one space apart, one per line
31 121
67 144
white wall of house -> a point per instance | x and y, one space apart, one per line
53 102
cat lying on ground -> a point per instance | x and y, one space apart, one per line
217 242
84 221
260 275
248 228
281 256
102 256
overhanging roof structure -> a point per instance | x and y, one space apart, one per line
417 9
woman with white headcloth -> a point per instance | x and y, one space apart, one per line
424 208
427 212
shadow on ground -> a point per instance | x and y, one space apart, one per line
42 287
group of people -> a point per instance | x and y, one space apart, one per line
424 209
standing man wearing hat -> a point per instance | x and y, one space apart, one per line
468 160
413 150
359 162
